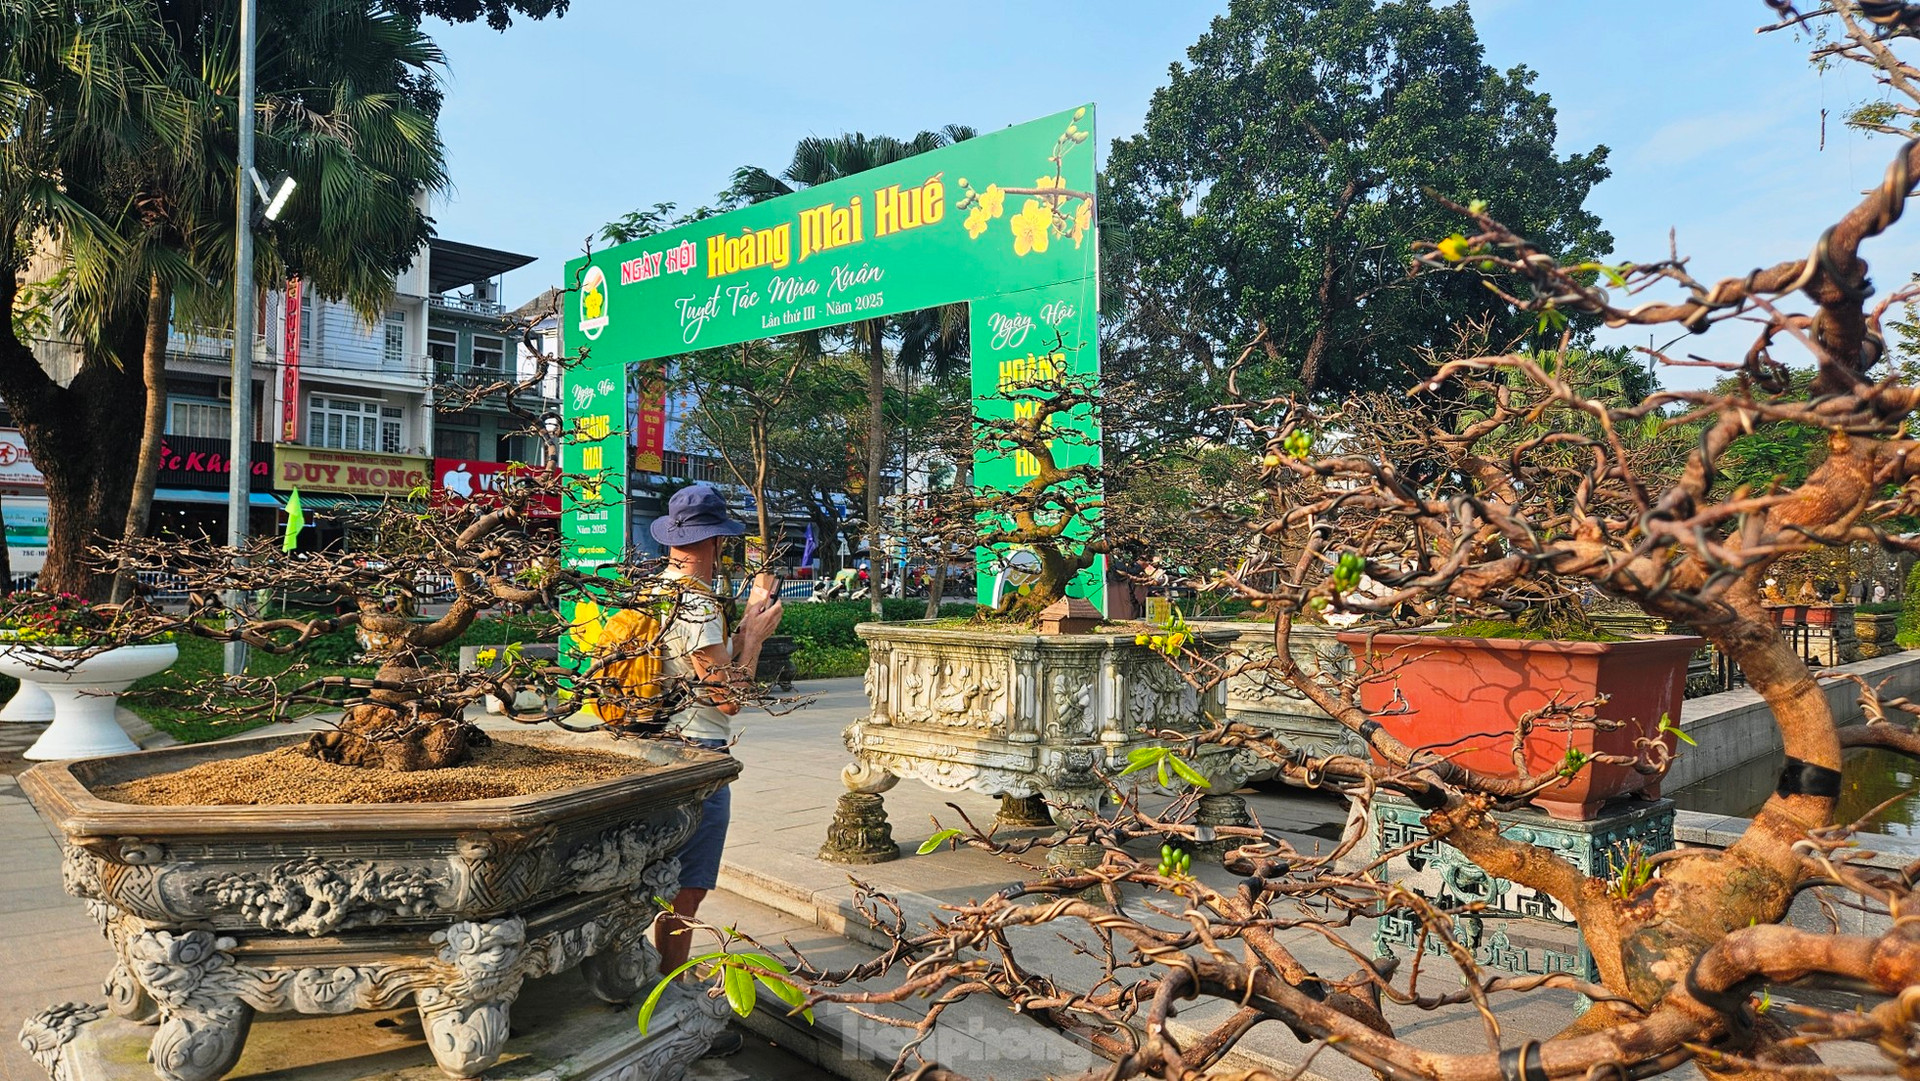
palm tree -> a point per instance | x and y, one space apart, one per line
118 180
817 160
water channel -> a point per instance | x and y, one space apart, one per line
1872 776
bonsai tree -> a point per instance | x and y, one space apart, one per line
1550 490
478 558
1043 434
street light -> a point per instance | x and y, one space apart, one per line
275 202
240 445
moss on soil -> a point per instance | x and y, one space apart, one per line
1501 628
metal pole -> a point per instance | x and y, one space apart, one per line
240 451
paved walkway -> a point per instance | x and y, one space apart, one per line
774 887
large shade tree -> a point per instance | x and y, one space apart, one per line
116 182
1282 175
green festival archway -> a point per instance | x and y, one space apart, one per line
1003 222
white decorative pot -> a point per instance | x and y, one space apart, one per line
85 691
29 705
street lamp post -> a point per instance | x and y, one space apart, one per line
240 452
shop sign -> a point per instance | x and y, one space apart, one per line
191 461
460 480
349 472
16 468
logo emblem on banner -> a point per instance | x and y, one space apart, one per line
593 302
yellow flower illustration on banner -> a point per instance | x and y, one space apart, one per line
593 302
987 205
1057 212
1030 227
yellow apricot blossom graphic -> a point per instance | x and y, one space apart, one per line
593 303
1030 227
1057 211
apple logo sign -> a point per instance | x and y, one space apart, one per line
458 481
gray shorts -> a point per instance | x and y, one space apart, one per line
700 856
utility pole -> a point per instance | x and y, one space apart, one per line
240 452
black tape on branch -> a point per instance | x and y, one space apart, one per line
1522 1063
1368 728
1428 798
1799 778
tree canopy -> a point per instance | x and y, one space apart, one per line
1283 173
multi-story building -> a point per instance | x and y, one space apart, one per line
344 408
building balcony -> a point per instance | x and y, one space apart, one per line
467 376
487 309
409 371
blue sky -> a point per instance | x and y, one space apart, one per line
555 127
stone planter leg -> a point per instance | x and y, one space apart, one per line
618 976
83 724
1217 811
201 1042
466 1015
465 1036
860 832
29 705
1024 812
191 979
1075 806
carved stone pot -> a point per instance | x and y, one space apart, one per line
1263 700
217 912
1020 714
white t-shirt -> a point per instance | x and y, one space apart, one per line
697 623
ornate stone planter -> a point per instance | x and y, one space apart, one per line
85 691
216 913
1263 701
1874 632
1010 714
776 661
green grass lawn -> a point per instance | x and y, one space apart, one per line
170 699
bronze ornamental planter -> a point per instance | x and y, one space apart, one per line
216 913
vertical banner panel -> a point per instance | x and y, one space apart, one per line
1021 338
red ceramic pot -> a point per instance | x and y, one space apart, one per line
1460 697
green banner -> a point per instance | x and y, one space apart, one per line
999 213
593 505
1019 340
1004 221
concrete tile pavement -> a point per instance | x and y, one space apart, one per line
784 798
775 888
50 951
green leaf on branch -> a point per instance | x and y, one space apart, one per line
937 840
1667 725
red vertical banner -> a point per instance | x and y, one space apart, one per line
649 424
290 372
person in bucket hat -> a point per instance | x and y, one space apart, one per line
696 645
